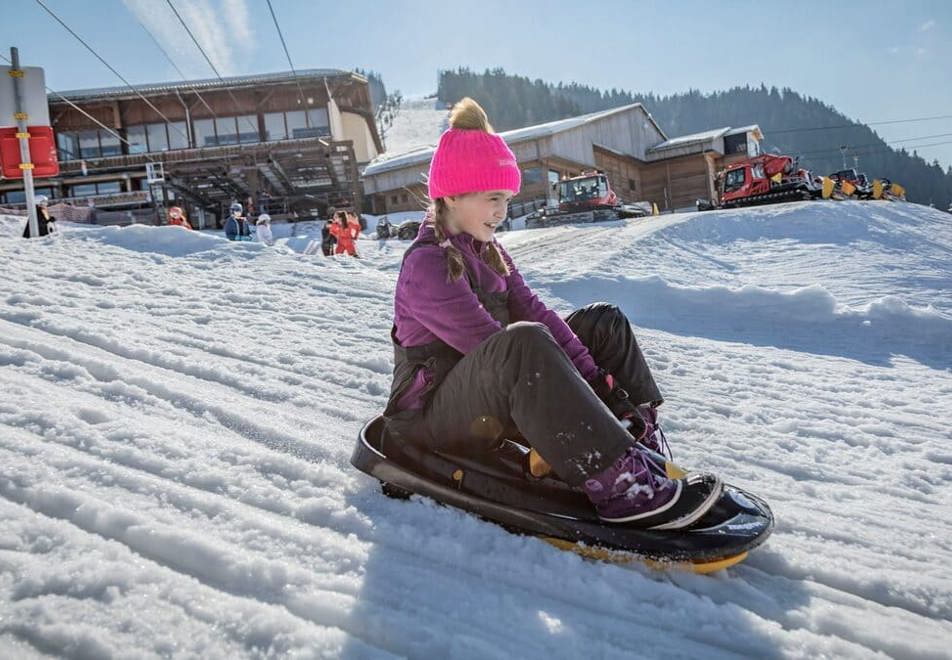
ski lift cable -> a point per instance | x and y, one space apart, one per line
874 148
176 67
288 55
89 116
877 144
855 124
254 127
110 67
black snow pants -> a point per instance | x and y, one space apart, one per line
521 378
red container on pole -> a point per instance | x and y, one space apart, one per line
42 152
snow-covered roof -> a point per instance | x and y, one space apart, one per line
560 125
693 138
699 139
207 83
752 128
384 163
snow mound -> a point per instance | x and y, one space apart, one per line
809 318
171 241
900 226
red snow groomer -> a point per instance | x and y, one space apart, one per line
585 198
764 179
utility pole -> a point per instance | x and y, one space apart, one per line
23 136
843 148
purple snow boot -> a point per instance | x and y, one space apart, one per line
635 490
653 438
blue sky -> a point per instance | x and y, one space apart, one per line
873 61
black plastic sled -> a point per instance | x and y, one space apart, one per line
497 487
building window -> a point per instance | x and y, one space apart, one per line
67 146
109 144
248 128
83 190
88 144
135 136
178 135
735 144
320 124
297 124
631 184
312 123
19 196
93 189
158 138
227 133
532 176
404 198
393 199
274 128
108 187
204 132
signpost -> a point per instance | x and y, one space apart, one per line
23 108
23 136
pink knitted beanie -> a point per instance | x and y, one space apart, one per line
471 159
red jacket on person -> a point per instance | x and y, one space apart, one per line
346 235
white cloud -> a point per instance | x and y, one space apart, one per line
920 51
928 25
893 50
223 29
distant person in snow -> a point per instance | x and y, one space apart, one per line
346 229
46 224
263 226
177 217
384 228
478 355
327 238
236 227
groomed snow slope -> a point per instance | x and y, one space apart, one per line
177 413
419 123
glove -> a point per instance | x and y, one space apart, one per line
616 398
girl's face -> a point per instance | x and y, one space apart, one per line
477 214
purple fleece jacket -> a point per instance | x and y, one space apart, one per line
427 307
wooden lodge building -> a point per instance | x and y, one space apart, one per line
641 163
301 139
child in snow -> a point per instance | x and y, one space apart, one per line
236 227
264 229
177 217
346 230
46 224
327 239
477 353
